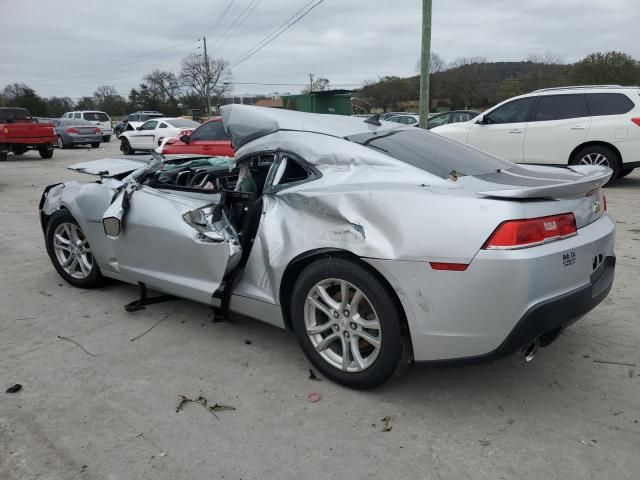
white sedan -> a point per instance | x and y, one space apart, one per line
152 132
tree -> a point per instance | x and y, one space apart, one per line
318 85
437 64
163 91
57 106
21 95
109 100
607 68
86 103
509 88
388 92
199 72
466 78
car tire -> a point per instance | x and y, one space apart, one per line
625 171
95 145
46 151
61 228
125 147
3 155
598 155
60 142
377 364
106 138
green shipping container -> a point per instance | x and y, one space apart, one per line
330 101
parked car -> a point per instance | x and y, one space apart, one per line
405 119
100 119
70 133
386 115
19 133
377 245
150 134
208 139
134 120
586 125
453 116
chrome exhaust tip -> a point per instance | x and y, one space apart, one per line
531 350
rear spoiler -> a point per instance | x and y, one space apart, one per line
593 177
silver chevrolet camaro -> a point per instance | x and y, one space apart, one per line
378 244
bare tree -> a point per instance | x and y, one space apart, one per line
437 64
318 85
199 74
164 86
103 92
466 78
547 70
546 58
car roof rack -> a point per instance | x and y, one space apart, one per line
573 87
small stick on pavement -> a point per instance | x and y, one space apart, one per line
150 328
615 363
76 344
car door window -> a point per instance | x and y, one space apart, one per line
438 120
150 125
463 117
163 125
210 131
516 111
560 107
77 115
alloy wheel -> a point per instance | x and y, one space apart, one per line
60 143
594 159
342 325
72 250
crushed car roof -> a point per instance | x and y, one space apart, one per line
245 123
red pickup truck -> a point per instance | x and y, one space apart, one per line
19 133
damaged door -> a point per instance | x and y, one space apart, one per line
174 243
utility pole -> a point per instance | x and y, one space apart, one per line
207 77
425 59
311 83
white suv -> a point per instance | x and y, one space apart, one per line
558 126
100 119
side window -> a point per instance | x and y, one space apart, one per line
608 104
516 111
77 115
210 131
287 171
150 125
163 125
463 117
560 107
438 120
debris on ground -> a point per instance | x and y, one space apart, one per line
313 397
586 444
76 344
247 342
202 401
609 362
484 442
150 328
387 424
14 388
312 376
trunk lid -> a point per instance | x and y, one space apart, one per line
27 130
109 167
546 191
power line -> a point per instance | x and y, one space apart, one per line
271 37
255 5
217 22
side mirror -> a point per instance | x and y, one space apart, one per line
11 119
138 128
185 138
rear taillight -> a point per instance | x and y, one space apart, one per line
636 121
71 130
98 130
532 231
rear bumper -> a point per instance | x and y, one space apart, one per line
29 141
82 139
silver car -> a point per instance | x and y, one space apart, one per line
70 133
379 245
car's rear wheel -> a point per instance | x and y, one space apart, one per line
625 171
70 251
348 324
95 145
60 142
125 147
106 138
598 155
3 154
46 151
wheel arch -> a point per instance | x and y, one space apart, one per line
595 143
297 265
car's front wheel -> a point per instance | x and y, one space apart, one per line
348 325
125 147
70 252
95 144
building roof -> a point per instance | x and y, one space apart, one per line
269 102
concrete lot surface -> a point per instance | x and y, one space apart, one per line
112 414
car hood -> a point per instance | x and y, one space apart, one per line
109 167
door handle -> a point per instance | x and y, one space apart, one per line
578 127
515 131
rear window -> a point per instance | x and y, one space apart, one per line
96 116
608 104
146 116
430 152
18 114
77 123
183 123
